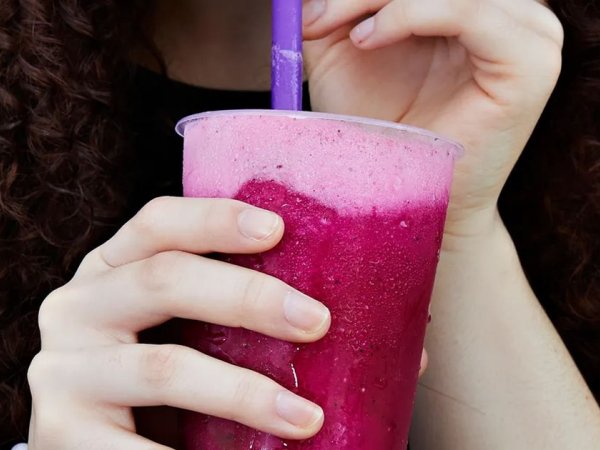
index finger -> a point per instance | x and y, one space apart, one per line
193 225
321 17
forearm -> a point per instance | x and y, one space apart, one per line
499 376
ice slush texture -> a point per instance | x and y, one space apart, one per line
347 166
364 222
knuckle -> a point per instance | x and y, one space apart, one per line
550 23
145 221
90 258
245 389
53 309
41 372
91 261
255 291
550 33
554 62
548 66
215 218
36 372
158 272
159 365
220 218
450 10
459 8
556 29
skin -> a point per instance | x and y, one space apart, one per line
478 71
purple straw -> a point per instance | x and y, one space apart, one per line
286 54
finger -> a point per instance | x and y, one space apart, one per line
53 431
103 438
178 284
94 437
195 226
176 376
321 17
536 15
486 30
59 422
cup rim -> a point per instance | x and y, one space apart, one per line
184 122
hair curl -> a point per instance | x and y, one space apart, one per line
551 203
64 153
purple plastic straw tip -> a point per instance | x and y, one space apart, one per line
286 54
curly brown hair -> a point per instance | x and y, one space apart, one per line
64 150
551 203
62 154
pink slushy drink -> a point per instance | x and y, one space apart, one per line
364 204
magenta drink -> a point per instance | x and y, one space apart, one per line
364 204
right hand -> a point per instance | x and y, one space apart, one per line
91 370
477 71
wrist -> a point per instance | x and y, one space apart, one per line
482 239
475 231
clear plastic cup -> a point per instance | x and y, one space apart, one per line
364 204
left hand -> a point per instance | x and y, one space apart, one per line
477 71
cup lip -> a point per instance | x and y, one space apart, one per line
184 122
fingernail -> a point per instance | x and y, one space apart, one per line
312 10
304 313
257 224
363 30
297 411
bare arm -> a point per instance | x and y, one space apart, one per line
499 375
